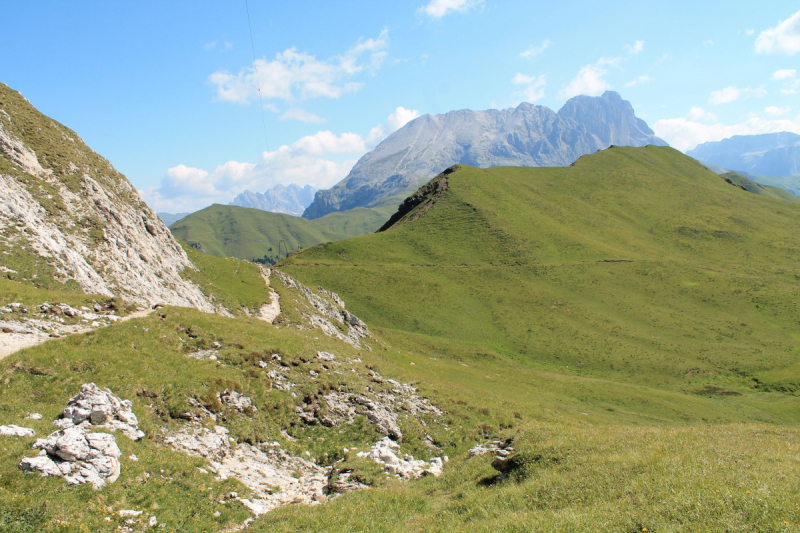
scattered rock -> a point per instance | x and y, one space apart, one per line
384 453
262 471
127 512
16 431
204 355
238 401
501 448
34 416
77 456
321 311
97 407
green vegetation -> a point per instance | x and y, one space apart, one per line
739 180
256 235
633 265
628 323
235 284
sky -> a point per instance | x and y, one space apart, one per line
198 101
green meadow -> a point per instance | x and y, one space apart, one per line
628 324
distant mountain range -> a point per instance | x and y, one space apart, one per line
289 199
171 218
770 154
528 135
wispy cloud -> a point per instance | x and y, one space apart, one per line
732 93
535 86
784 74
639 80
782 39
439 8
635 48
320 160
294 75
213 45
777 111
685 133
534 51
589 81
297 113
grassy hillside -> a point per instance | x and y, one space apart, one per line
739 180
253 234
633 265
629 324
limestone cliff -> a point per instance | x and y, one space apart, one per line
66 215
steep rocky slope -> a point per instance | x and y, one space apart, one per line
527 136
66 215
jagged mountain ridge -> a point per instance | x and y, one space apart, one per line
769 154
67 215
289 199
528 135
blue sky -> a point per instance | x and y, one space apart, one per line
166 90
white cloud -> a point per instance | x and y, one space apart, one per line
589 81
535 86
782 39
636 48
686 133
731 94
534 51
225 46
523 78
439 8
749 32
637 81
306 161
698 113
726 95
294 75
777 111
302 115
708 43
784 74
394 122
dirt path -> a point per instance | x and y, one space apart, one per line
22 335
269 312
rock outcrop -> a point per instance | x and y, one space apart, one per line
326 311
70 210
75 453
768 154
385 453
275 476
77 456
16 431
528 136
100 408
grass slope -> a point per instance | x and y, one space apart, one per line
739 180
633 265
253 234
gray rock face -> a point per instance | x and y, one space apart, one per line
290 199
70 210
770 154
528 135
77 456
97 407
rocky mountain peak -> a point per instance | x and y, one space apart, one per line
527 135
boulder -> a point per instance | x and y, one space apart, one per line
16 431
97 407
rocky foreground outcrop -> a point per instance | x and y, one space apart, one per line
66 209
75 452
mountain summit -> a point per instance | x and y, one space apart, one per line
528 135
768 154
